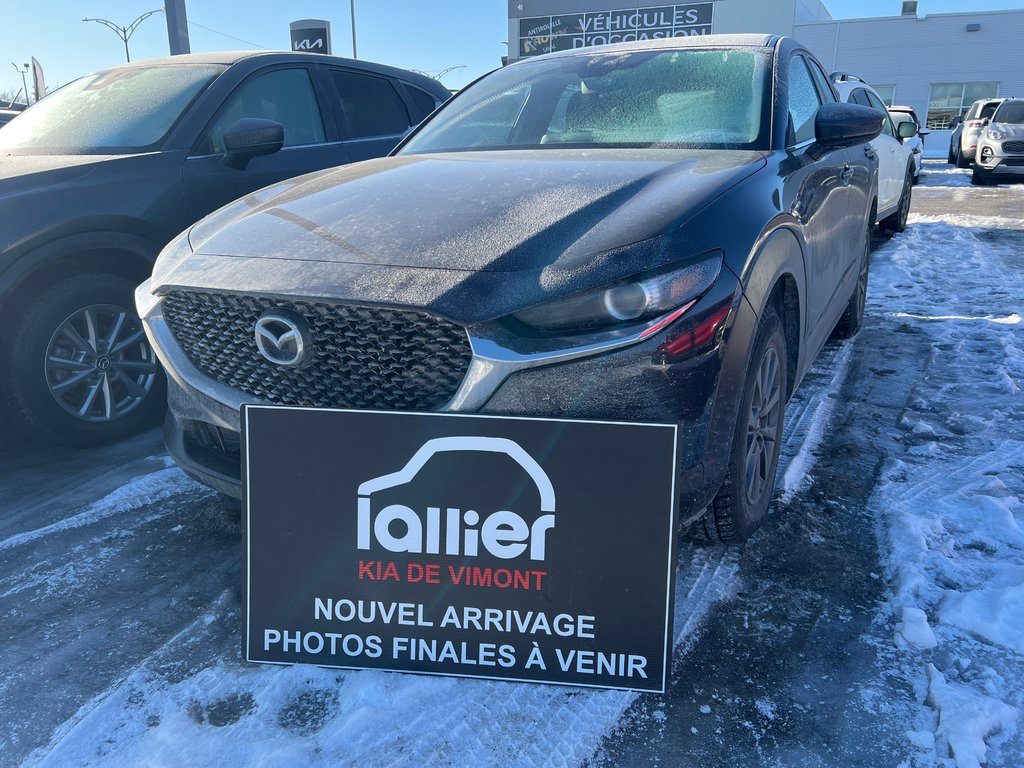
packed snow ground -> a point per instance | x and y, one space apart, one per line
950 507
121 608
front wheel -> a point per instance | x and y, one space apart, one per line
79 369
961 161
981 177
743 498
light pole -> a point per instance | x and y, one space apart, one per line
24 82
125 32
352 8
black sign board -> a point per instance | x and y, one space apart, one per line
313 35
544 34
510 548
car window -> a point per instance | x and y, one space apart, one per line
860 96
424 102
691 98
115 110
803 102
283 95
372 105
988 109
1009 112
822 80
876 103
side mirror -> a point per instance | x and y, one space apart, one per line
251 137
955 122
985 121
846 125
906 129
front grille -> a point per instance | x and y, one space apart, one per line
1013 146
365 357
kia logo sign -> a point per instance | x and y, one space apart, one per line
503 533
312 35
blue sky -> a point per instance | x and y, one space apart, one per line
429 36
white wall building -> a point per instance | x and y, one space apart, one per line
938 64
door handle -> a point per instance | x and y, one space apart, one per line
846 174
869 151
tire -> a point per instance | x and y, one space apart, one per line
981 177
951 158
897 221
740 505
853 317
961 161
59 361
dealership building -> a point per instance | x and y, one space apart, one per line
936 63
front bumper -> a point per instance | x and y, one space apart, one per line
626 379
992 158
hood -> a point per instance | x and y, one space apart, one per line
1008 130
509 211
25 173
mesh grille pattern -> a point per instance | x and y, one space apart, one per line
365 357
1013 146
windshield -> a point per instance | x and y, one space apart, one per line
1009 112
690 98
117 110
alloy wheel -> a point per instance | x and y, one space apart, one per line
763 422
99 365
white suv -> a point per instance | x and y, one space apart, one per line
895 159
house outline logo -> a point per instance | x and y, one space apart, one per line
503 533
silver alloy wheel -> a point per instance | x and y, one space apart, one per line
99 365
763 426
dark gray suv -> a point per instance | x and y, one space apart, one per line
96 178
665 231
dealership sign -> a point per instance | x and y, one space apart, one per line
518 549
544 34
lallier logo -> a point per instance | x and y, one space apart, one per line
451 530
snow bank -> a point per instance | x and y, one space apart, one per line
966 718
950 506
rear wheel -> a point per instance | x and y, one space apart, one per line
853 318
744 496
897 221
79 369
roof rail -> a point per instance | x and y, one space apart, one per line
840 77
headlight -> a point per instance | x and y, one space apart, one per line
626 302
996 135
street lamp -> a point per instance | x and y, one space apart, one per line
352 8
125 32
24 82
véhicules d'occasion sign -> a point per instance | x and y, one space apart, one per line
509 548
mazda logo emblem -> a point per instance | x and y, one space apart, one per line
283 338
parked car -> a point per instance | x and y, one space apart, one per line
915 142
902 109
567 236
1001 145
896 164
97 177
6 115
963 144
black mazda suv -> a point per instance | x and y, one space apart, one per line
665 231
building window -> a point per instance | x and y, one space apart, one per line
949 100
886 92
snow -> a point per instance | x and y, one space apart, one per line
966 718
949 506
915 628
